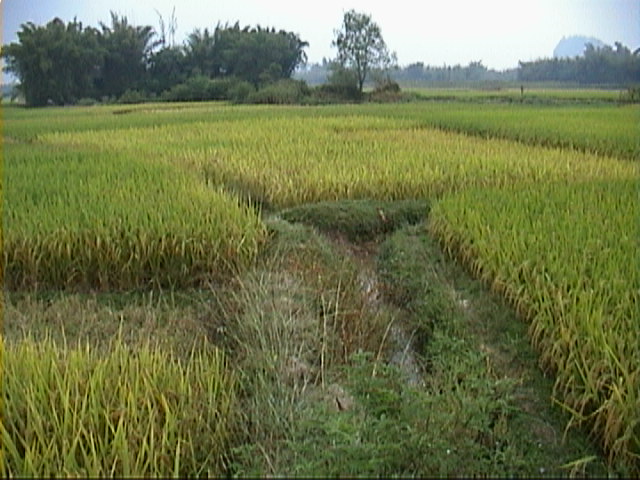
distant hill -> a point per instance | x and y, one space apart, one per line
574 46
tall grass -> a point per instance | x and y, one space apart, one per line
73 412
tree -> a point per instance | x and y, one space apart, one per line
259 55
56 63
167 67
202 57
361 47
128 51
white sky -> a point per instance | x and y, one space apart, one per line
497 32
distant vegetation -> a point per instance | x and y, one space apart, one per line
63 64
597 66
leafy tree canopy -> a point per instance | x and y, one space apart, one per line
361 47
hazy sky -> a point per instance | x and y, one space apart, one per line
497 32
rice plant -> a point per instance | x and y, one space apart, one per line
98 221
75 412
566 256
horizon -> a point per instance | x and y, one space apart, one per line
437 34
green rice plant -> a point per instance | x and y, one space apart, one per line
566 256
294 160
93 220
75 412
169 217
605 130
511 94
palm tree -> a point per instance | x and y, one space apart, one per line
128 49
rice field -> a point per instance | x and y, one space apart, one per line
127 413
94 220
605 130
540 202
566 256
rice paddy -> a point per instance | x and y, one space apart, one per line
539 202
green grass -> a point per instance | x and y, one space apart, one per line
359 220
366 417
513 94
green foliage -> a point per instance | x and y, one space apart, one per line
361 47
167 67
280 93
632 95
197 88
358 220
86 102
473 74
603 65
365 418
132 97
411 281
240 91
342 84
60 64
127 52
38 58
249 54
386 90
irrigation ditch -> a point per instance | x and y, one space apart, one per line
436 378
359 350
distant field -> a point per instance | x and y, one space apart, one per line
124 197
515 94
603 129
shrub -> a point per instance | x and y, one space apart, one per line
202 88
342 85
86 102
386 90
193 89
219 88
632 95
132 96
239 93
286 91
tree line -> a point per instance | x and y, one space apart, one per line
597 66
69 63
64 63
